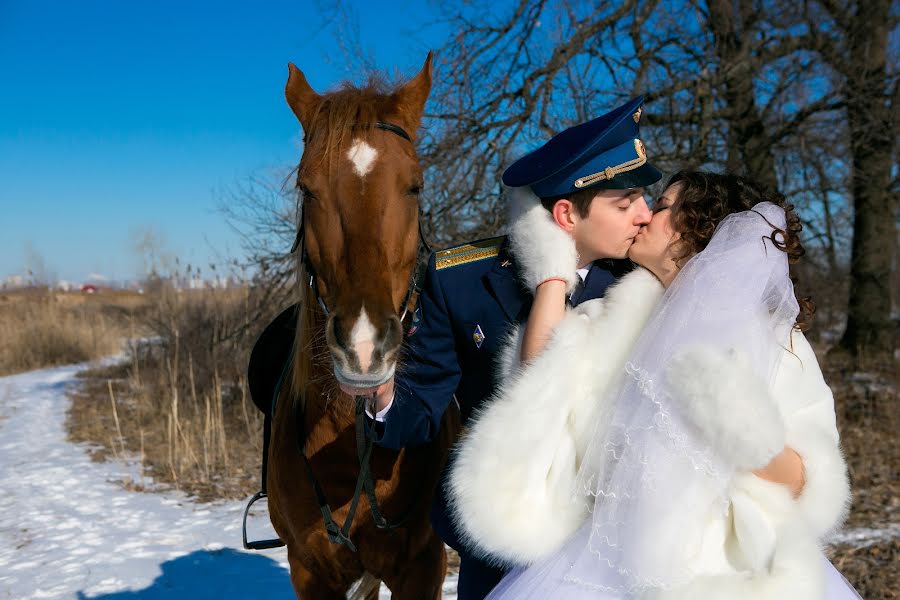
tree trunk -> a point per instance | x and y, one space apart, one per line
749 148
870 331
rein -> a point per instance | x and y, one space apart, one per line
340 535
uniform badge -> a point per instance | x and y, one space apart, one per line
478 336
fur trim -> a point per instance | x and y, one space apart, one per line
811 431
512 483
825 499
509 358
759 510
541 248
796 573
730 405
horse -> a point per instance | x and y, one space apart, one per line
360 178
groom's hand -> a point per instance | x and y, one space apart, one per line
379 397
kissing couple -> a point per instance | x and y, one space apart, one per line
643 417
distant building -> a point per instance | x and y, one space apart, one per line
13 282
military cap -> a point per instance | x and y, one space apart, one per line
604 153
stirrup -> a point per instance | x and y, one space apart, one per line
260 544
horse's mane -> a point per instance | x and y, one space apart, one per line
346 113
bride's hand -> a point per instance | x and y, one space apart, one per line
787 469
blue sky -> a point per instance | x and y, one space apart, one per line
116 116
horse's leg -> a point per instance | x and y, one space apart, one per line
422 576
309 587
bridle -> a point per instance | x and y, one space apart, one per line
423 250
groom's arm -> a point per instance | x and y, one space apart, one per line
427 374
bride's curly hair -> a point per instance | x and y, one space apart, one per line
707 198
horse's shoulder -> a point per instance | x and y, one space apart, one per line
468 253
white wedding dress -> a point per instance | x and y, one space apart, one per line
617 464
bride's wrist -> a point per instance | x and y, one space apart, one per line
561 280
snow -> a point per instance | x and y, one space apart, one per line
860 537
69 529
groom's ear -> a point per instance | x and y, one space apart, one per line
564 214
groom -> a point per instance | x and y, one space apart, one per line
591 178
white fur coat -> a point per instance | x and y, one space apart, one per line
513 479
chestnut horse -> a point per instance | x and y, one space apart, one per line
360 178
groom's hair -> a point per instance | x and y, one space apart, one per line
581 200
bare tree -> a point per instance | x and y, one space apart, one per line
856 46
784 93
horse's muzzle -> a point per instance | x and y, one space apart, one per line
365 355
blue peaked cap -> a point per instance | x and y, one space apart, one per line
604 153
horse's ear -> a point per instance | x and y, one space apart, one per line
302 99
410 98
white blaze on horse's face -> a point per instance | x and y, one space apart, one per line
362 156
362 340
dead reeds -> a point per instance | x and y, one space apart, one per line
42 328
181 400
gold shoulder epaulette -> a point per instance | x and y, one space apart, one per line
468 253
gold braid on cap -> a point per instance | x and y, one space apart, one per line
610 172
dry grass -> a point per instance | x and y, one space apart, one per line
869 419
41 328
181 403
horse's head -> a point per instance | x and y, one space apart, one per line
360 178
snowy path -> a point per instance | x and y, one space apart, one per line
69 531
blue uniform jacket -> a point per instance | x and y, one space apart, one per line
470 298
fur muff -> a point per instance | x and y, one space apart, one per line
730 405
542 248
512 483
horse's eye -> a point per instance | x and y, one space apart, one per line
305 191
414 190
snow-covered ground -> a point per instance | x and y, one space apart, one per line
69 530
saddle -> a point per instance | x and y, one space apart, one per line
268 357
268 360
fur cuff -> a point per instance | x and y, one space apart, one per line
730 405
797 572
825 498
511 482
759 510
541 248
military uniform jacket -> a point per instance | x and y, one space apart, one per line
471 298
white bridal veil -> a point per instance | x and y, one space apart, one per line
650 477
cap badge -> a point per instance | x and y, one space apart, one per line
478 336
637 116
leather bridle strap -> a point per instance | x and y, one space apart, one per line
393 129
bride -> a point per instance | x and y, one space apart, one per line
673 440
